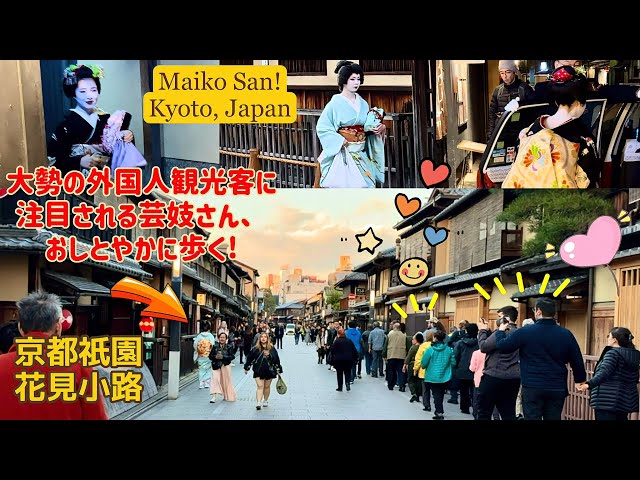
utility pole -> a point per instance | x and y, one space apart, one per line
174 329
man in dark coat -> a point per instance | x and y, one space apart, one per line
545 349
510 88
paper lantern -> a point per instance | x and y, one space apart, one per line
67 320
146 324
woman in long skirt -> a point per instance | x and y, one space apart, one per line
222 383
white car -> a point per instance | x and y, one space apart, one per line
290 329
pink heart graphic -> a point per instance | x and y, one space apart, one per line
431 176
597 247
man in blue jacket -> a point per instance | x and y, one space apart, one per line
545 349
355 336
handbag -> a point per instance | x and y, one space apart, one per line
281 387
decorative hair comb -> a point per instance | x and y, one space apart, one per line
70 72
563 74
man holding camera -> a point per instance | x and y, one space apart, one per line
501 375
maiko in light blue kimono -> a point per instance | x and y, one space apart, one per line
202 345
358 164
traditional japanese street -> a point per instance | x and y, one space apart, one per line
311 395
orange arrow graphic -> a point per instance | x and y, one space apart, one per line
161 305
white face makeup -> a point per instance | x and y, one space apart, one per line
353 83
87 94
577 109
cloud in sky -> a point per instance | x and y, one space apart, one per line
303 227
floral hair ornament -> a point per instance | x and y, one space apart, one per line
563 74
70 72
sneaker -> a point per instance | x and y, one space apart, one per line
348 387
359 376
413 399
265 403
438 416
338 389
213 399
201 385
427 408
258 407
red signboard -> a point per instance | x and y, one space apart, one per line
352 296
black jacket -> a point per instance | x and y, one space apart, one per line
545 349
343 350
614 386
463 351
502 95
264 367
228 355
504 365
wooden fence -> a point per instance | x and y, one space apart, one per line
576 406
292 150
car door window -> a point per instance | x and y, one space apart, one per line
504 142
626 151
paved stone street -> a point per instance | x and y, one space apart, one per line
311 395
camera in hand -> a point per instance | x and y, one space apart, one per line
505 320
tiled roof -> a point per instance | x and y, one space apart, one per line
630 229
293 304
463 290
211 289
534 291
13 238
522 262
460 202
186 298
80 284
353 277
438 278
383 254
466 277
627 253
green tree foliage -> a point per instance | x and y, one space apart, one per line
269 301
333 299
555 215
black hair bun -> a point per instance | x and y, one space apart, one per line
342 63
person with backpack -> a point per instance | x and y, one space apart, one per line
510 88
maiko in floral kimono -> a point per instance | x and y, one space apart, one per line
359 163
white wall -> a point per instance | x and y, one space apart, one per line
121 90
191 142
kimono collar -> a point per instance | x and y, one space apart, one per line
91 119
355 105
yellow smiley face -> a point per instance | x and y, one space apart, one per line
413 271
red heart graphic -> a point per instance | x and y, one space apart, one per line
431 176
405 206
3 192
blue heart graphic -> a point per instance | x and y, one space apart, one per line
435 237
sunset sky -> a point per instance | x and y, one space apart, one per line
302 228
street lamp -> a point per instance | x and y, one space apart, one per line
372 304
174 329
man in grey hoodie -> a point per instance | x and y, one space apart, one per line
501 375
